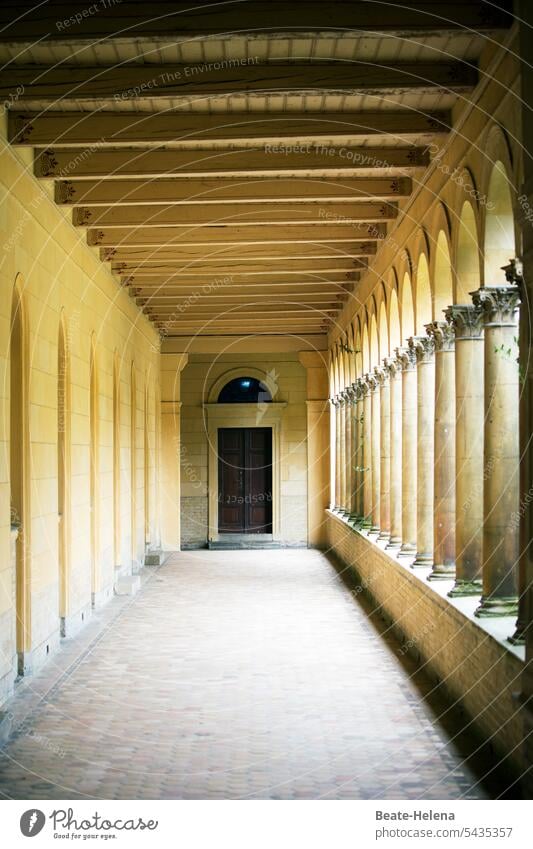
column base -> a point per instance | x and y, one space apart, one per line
442 572
407 549
393 543
374 529
493 606
422 561
463 588
519 636
384 536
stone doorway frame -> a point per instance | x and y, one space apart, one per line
242 415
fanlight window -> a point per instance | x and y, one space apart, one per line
244 390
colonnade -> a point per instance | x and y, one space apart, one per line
427 450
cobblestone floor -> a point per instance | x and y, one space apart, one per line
235 674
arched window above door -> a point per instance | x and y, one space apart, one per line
244 390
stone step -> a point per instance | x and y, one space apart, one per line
127 585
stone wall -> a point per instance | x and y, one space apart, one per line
476 667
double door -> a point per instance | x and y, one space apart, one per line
245 480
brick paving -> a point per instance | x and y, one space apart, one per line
234 674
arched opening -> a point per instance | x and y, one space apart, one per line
374 343
133 463
366 350
468 272
244 390
407 317
147 463
499 244
116 461
19 491
383 332
395 333
63 471
94 469
443 284
424 312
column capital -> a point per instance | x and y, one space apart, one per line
406 358
443 334
498 304
357 388
373 382
391 366
365 384
335 401
381 375
424 348
466 319
350 393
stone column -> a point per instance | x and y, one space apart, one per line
336 407
444 483
342 451
501 498
395 370
375 450
350 495
424 348
359 454
367 453
348 460
171 367
353 415
383 376
409 451
467 324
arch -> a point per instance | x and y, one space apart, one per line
443 279
267 380
407 315
94 466
19 470
365 348
244 390
383 331
499 239
423 309
358 352
374 342
116 459
467 255
63 469
395 332
133 461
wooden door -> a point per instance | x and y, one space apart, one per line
245 480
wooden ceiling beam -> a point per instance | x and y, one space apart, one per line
232 236
107 163
100 128
241 214
222 190
214 282
283 266
58 20
197 288
120 82
230 253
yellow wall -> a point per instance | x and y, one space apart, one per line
60 276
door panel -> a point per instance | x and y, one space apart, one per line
245 480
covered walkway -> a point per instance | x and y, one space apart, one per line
237 674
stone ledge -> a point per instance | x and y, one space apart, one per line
470 657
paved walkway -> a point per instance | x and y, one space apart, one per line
240 674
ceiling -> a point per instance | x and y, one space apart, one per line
238 165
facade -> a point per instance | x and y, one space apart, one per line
386 323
